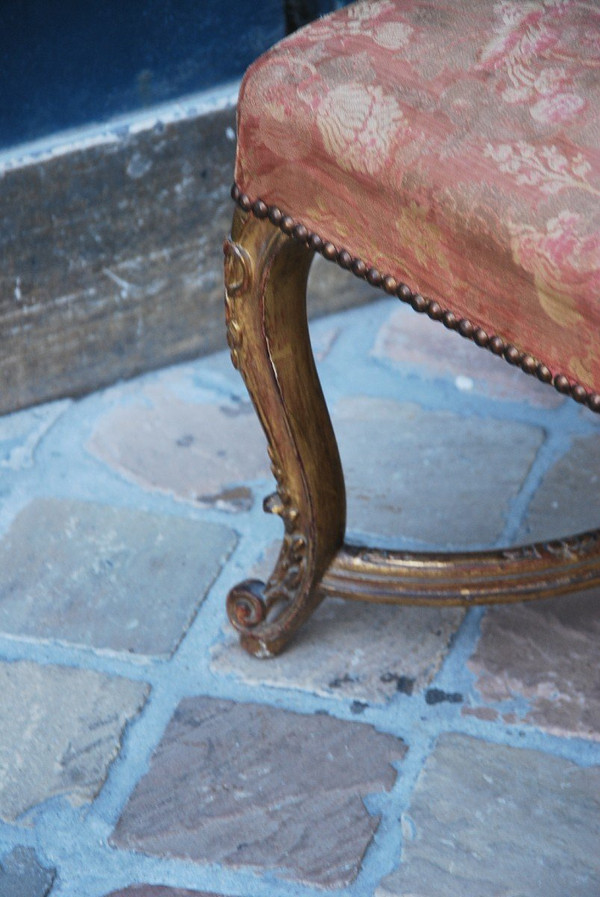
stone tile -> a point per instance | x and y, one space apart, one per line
196 452
21 433
494 821
157 891
413 341
353 651
547 654
106 577
568 499
430 476
22 875
253 786
61 729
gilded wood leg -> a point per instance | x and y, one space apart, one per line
265 277
266 272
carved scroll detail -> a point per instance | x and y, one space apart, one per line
266 273
238 268
238 282
246 607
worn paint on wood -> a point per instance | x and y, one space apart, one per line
112 259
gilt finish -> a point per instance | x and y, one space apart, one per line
266 273
266 270
523 573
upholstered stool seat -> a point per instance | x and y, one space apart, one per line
449 153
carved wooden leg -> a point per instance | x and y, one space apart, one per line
265 277
266 272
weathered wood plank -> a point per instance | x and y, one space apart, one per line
112 259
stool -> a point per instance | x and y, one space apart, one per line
449 153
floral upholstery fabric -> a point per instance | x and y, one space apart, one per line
454 144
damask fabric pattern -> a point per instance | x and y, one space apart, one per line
454 144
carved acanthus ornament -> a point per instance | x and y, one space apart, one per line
238 282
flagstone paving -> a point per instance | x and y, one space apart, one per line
21 875
389 751
252 806
526 823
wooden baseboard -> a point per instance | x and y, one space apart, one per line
112 258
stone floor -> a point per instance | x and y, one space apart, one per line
388 752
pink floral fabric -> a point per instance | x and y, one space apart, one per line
454 144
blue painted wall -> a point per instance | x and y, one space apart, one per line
65 63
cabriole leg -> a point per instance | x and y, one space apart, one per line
265 278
